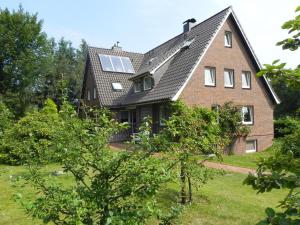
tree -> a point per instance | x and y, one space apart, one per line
109 187
187 133
283 169
23 52
6 118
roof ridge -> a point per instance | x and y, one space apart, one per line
229 7
89 46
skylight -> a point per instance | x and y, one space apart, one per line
114 63
117 86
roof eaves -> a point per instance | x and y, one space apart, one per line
176 96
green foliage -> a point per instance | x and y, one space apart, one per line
23 51
6 118
230 124
108 188
293 27
285 126
31 136
187 133
291 143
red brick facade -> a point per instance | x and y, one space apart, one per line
237 58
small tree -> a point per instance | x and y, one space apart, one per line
108 188
187 133
6 118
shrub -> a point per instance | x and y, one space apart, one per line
285 126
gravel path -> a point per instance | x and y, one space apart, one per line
235 169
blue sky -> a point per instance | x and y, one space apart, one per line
140 25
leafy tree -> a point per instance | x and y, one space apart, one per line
283 169
23 49
6 118
187 133
108 188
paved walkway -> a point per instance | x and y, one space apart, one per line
229 168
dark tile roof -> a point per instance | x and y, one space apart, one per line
172 65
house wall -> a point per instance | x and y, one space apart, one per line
90 84
237 58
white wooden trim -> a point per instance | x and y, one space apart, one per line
176 96
230 11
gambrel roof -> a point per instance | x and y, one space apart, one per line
171 64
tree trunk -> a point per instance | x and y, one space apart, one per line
190 189
105 215
183 178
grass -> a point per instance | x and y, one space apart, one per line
224 200
249 160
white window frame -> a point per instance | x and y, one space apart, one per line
115 88
227 35
161 116
244 74
144 81
88 95
210 69
94 93
255 146
230 73
135 86
251 115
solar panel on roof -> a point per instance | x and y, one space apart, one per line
114 63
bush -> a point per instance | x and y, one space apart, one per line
6 118
285 126
292 143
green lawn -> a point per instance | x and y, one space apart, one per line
248 160
224 200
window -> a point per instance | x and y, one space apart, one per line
114 63
163 115
124 117
246 79
137 86
251 146
94 93
210 76
88 95
117 86
247 115
228 39
228 78
147 83
216 108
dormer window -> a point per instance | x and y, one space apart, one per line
117 86
137 85
228 39
147 83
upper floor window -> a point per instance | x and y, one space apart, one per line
228 39
210 76
246 79
117 86
228 78
247 115
88 95
94 93
137 85
147 83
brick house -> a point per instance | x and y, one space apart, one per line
210 63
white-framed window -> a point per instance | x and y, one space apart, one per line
246 79
117 86
137 86
94 93
147 83
210 76
88 95
228 78
247 115
228 39
251 146
163 115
